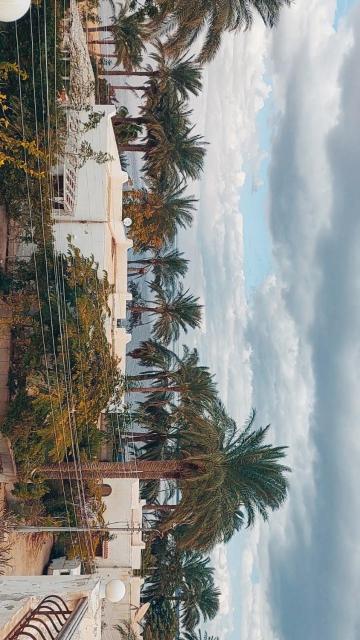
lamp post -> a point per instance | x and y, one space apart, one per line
105 529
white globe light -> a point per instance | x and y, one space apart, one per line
115 590
127 222
11 10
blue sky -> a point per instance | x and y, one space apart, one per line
253 197
343 7
253 203
275 259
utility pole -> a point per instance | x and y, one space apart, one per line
54 529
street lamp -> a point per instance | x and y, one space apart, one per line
11 10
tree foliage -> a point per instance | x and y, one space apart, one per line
129 35
156 215
62 372
213 19
171 312
180 582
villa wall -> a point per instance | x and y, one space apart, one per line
94 225
124 506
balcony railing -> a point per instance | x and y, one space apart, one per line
52 619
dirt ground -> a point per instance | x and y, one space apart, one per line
30 553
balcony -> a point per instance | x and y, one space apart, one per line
51 619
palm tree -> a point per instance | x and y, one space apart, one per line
223 485
170 148
198 635
126 632
160 621
173 312
174 150
155 356
172 374
129 35
179 75
127 132
166 266
184 578
202 600
157 214
192 18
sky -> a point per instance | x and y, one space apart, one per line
275 260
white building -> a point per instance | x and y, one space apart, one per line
61 607
88 211
121 554
76 603
92 218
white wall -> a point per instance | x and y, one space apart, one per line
113 613
99 186
19 594
123 506
95 225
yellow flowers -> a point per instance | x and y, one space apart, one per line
11 67
20 153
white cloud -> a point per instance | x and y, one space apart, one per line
301 367
307 57
304 328
222 625
235 90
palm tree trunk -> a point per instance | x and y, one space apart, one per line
108 27
159 507
174 389
104 55
121 72
125 86
133 147
141 308
136 270
141 469
137 120
102 42
156 375
137 437
146 261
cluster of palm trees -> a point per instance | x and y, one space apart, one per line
163 133
172 152
182 434
225 475
180 587
180 23
180 431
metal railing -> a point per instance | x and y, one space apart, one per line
50 620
